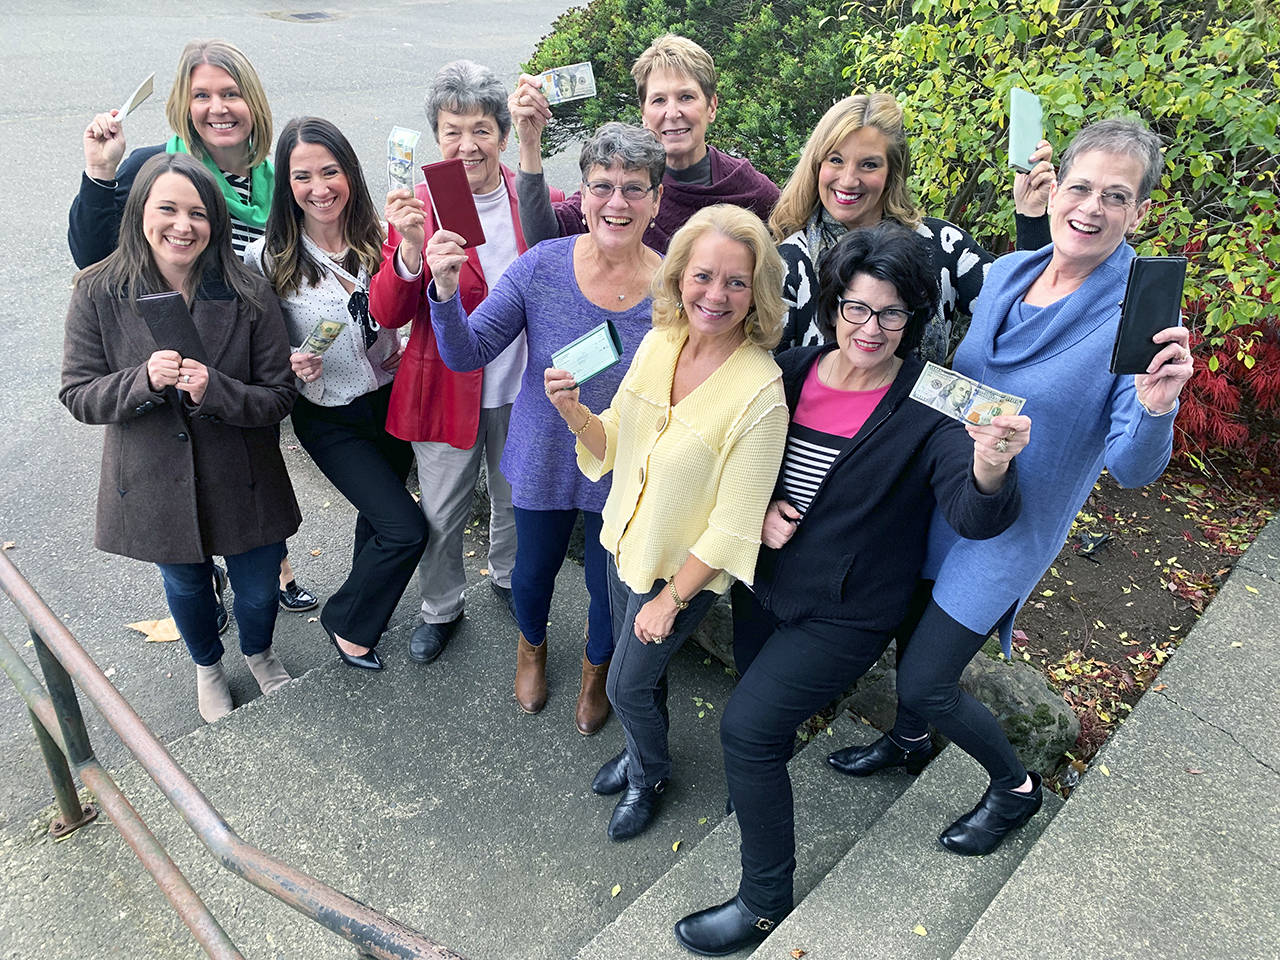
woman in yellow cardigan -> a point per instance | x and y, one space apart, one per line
694 437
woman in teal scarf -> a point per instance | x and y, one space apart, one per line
220 116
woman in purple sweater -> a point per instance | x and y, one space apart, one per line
555 293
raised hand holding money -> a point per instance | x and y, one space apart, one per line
995 444
407 216
103 146
400 146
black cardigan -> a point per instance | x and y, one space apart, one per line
93 229
857 552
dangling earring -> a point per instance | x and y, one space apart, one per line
652 224
584 219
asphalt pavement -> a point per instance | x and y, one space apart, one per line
366 68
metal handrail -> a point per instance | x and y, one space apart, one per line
62 660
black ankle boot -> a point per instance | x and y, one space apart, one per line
881 755
635 811
997 814
612 776
720 931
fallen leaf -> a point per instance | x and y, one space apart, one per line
1236 643
676 846
109 672
1194 771
1246 586
702 821
316 553
312 619
157 631
471 553
1105 771
797 953
617 889
484 571
9 545
919 930
1160 686
1046 593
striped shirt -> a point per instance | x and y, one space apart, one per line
242 234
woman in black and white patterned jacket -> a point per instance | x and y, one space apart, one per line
853 173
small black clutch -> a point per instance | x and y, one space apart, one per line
1152 302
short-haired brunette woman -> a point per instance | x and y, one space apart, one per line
844 540
323 242
684 512
218 112
191 463
854 172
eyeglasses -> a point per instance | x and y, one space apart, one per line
1114 199
604 189
890 318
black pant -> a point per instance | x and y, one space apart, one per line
929 691
787 677
351 446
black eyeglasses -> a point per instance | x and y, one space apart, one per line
890 318
630 191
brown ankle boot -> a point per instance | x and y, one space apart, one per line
593 704
531 675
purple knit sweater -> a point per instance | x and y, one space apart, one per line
539 294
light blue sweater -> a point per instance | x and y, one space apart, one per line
1082 418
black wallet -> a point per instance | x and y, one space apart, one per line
171 325
1152 302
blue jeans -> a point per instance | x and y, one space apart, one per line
542 540
637 682
255 578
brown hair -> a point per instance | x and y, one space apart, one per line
675 54
800 196
219 53
763 324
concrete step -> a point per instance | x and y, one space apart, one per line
897 879
423 791
831 812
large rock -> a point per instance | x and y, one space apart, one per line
1036 720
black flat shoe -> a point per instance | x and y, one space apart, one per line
997 814
219 586
720 931
881 755
297 599
635 811
507 597
611 777
430 639
365 661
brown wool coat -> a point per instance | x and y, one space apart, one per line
180 483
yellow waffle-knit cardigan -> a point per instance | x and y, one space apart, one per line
691 478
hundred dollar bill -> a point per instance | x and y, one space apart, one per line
322 336
574 82
961 397
400 147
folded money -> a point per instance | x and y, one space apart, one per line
962 398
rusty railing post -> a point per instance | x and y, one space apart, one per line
71 721
72 813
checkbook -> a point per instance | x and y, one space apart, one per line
594 352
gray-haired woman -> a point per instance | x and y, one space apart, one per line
553 294
455 420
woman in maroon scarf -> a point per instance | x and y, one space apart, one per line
676 84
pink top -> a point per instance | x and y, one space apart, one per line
838 412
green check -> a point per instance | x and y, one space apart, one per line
594 352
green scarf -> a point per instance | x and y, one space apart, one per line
261 182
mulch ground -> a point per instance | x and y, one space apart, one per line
1138 569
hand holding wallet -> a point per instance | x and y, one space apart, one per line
1152 302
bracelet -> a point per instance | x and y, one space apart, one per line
675 595
583 429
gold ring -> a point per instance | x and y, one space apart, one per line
1002 445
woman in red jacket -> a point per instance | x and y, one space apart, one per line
456 420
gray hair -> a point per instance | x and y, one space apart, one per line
463 87
634 147
1130 138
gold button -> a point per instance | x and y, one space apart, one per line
662 422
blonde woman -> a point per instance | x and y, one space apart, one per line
853 173
693 438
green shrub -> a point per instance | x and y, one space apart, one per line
779 69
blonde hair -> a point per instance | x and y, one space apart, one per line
219 53
763 323
800 196
675 54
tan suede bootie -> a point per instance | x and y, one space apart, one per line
531 675
593 703
268 670
212 693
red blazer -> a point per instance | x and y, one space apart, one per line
428 400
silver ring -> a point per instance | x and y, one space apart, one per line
1002 445
658 639
186 378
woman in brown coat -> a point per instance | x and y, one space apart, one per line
191 463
